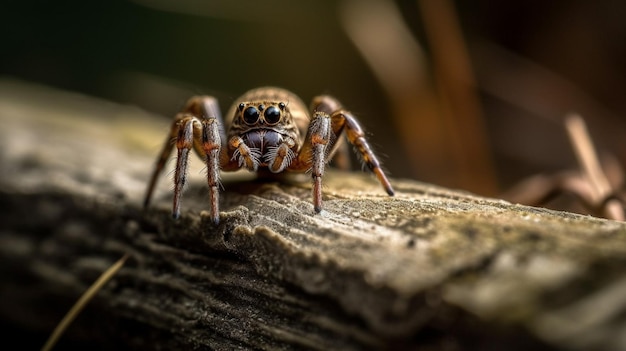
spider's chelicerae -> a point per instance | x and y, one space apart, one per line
267 129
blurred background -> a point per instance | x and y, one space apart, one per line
468 95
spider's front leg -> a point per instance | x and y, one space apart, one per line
210 146
197 127
318 142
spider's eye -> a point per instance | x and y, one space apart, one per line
281 105
251 115
272 115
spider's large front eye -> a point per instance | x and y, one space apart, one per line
272 115
251 115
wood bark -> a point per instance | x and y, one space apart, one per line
428 269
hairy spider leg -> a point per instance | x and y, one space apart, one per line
343 120
184 143
211 144
339 155
164 155
314 152
329 122
198 126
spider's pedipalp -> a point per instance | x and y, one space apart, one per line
278 158
245 156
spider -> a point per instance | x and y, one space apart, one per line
269 129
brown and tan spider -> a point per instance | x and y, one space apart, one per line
268 129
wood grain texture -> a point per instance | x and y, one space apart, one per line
431 268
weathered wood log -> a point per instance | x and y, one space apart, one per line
430 268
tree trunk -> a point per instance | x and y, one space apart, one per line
428 269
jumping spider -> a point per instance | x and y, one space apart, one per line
269 129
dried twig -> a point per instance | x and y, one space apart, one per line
462 111
589 184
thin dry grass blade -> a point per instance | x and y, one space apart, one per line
82 302
588 159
